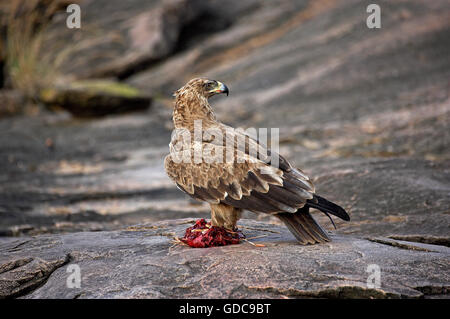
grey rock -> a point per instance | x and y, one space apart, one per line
143 261
364 112
133 35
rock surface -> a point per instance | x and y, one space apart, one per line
144 262
364 112
133 35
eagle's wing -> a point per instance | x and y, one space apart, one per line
245 182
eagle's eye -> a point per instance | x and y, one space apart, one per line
210 85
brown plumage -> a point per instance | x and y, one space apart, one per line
242 179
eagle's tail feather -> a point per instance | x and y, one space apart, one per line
302 225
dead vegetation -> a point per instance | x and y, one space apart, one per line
30 67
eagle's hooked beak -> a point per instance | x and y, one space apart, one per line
220 88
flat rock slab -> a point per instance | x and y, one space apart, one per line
144 261
365 113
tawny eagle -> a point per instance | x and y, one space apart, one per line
247 181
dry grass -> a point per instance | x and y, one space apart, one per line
30 66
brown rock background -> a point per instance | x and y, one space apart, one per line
365 112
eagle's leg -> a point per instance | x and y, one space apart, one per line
225 216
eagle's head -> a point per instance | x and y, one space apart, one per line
203 87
